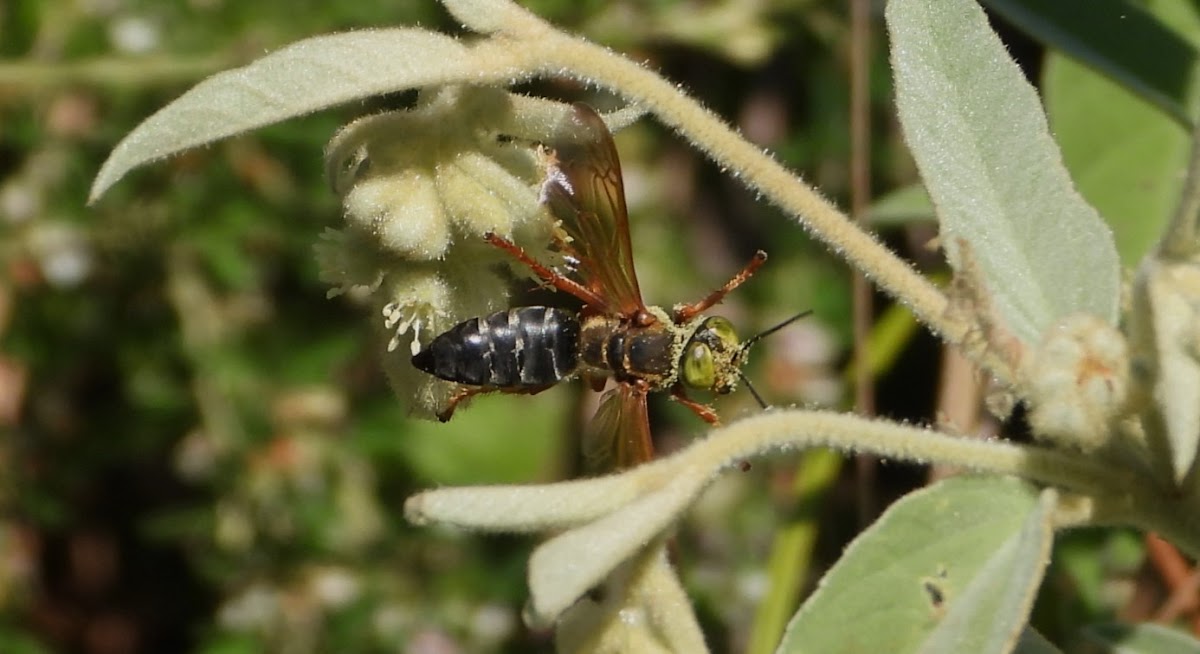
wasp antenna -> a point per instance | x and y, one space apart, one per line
771 330
753 391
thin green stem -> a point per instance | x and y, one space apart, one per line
792 550
141 73
1180 240
1149 508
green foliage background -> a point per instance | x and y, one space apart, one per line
199 452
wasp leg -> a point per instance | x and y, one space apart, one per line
685 312
706 412
462 395
467 392
564 284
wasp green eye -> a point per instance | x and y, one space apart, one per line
723 329
699 371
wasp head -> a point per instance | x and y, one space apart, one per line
712 357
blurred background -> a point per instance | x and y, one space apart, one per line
199 452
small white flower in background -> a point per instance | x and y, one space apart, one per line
19 203
492 624
197 455
334 587
63 252
134 35
391 622
254 609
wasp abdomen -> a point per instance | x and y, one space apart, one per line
525 347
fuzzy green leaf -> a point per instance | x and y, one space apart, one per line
1124 154
903 206
977 131
562 569
296 80
951 568
1122 40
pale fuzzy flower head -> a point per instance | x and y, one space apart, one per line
348 261
446 170
403 212
1077 382
421 190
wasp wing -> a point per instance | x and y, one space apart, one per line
619 435
584 191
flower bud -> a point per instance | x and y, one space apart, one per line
1077 382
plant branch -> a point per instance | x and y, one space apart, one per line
117 72
790 429
1150 508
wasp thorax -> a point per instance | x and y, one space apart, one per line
712 356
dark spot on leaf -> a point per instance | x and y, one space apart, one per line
936 596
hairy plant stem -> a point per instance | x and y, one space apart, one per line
1118 497
1093 491
794 429
1148 507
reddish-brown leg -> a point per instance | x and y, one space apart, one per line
462 395
685 312
706 413
564 284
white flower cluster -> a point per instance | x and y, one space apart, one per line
420 190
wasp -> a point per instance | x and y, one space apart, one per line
643 348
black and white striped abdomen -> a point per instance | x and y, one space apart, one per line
524 347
